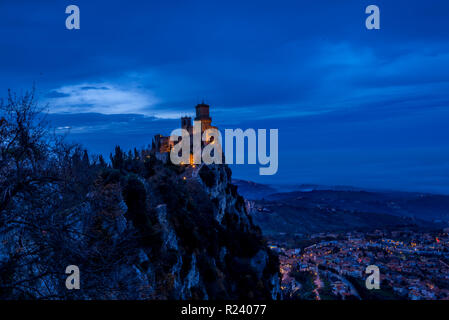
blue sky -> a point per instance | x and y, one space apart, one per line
353 106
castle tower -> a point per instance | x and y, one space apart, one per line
202 114
186 124
162 145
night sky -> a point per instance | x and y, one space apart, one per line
367 108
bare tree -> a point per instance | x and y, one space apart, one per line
53 213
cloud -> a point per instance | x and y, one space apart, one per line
296 80
94 88
56 94
402 79
103 98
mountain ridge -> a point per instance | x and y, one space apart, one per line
341 208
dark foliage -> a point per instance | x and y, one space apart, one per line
208 176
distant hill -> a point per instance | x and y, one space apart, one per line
429 207
315 209
252 190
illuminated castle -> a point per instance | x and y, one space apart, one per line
162 144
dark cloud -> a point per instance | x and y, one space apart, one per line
56 94
94 88
355 106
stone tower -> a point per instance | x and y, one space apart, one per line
202 114
186 124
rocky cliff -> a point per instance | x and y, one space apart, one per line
135 228
142 230
210 249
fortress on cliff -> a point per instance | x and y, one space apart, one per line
162 145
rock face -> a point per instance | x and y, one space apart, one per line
135 228
170 234
230 212
216 251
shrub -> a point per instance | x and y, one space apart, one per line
208 176
134 194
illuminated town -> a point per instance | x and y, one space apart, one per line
412 266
